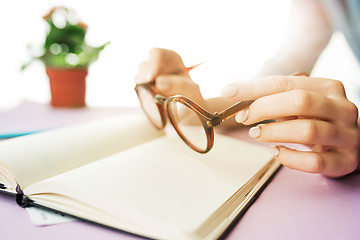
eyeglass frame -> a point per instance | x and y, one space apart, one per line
208 120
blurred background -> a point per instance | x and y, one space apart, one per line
232 37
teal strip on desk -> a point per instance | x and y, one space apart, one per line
18 134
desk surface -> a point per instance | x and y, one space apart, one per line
294 205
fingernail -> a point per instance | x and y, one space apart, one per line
254 132
162 83
274 150
242 116
229 91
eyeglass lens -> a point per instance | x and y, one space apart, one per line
188 124
150 107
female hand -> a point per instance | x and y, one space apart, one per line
171 77
306 110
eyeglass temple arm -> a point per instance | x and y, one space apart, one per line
231 111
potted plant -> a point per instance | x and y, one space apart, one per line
66 57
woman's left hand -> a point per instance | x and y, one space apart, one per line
307 110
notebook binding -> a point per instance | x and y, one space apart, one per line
21 199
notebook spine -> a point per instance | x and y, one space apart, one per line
21 199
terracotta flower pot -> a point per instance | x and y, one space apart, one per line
68 86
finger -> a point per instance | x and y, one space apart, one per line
144 74
173 84
331 163
319 148
301 104
143 66
276 84
168 85
164 61
305 131
155 65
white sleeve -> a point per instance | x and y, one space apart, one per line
309 31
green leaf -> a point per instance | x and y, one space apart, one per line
66 47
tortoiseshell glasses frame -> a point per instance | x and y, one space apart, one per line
208 120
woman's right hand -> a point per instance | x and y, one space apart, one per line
166 68
307 110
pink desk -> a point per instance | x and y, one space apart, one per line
294 205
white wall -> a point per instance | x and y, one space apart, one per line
232 37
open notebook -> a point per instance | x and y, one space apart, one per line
123 173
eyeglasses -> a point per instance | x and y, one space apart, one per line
193 123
